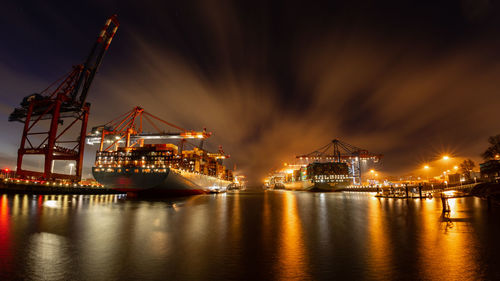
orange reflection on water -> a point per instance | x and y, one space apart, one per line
292 252
380 254
447 243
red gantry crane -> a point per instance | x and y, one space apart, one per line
127 129
64 104
340 151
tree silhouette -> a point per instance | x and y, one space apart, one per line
466 167
494 148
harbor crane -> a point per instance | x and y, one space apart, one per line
340 151
64 100
127 129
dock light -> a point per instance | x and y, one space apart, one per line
455 167
426 167
446 157
372 171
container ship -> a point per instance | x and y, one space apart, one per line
330 176
332 167
126 163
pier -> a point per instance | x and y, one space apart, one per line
420 192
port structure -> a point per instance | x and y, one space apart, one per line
339 151
62 102
127 129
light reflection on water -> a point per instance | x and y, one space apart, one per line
272 235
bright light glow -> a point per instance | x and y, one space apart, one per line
455 167
450 192
50 204
446 157
426 167
372 171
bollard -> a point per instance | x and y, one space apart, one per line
406 190
420 190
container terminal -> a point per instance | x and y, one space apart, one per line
52 116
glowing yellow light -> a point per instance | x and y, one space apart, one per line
446 157
455 167
426 167
372 171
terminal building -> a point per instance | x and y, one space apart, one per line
490 170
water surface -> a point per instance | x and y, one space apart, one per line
272 235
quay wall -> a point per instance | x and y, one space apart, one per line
30 188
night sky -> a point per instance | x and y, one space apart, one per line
273 79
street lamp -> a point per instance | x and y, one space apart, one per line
446 158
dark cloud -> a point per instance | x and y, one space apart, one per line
409 79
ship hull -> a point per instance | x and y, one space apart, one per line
170 182
308 185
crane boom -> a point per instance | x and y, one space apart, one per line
94 60
128 130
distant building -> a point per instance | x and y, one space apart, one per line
7 173
490 170
453 178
